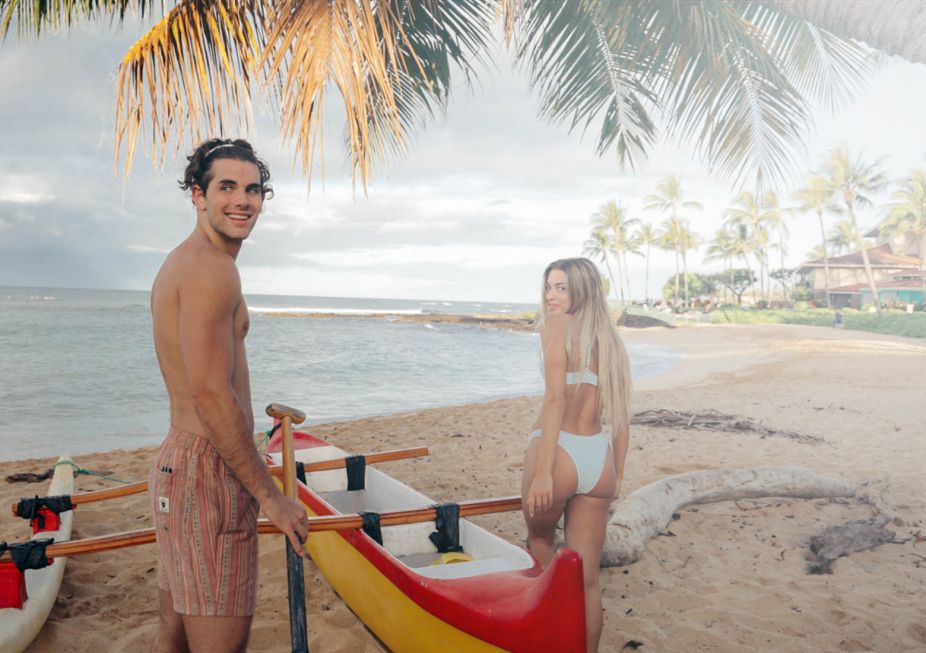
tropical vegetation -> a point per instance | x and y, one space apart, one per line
732 79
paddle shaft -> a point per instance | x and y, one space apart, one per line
264 527
276 470
295 572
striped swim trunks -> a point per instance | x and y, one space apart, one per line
206 525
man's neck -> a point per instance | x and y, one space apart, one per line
218 240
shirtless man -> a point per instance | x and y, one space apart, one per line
208 480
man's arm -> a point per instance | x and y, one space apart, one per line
208 301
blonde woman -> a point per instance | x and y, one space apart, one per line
573 465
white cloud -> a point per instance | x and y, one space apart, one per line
148 249
469 256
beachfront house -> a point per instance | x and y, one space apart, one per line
897 267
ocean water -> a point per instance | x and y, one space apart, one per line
78 371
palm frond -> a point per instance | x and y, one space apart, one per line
35 16
440 36
193 71
828 68
584 64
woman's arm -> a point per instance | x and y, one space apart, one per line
553 341
619 444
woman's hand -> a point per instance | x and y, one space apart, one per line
540 494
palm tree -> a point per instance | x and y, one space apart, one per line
668 198
611 218
775 222
851 182
598 246
731 78
647 236
747 212
722 247
842 238
906 214
816 196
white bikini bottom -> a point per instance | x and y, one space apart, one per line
588 453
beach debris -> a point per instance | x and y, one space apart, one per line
712 420
647 512
841 540
30 477
633 645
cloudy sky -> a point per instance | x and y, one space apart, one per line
486 197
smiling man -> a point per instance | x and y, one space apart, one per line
208 481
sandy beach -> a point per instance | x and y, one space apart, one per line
728 577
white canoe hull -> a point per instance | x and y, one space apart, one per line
19 627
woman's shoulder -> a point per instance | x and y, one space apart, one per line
557 325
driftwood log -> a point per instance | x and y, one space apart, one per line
647 512
712 420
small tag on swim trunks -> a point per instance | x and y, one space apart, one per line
163 504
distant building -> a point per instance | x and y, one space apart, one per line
898 275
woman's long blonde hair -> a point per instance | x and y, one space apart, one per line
593 329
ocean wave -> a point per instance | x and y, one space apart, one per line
301 310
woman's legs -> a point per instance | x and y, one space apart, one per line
586 524
542 527
586 527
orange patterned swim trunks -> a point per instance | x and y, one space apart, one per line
206 525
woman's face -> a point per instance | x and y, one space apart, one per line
556 293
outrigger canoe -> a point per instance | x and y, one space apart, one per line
495 597
19 626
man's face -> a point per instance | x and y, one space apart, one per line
233 199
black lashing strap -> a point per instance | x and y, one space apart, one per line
371 526
29 508
447 536
356 472
300 472
28 555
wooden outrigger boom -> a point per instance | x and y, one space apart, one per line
276 470
264 527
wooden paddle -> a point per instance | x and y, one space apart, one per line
276 470
295 575
264 527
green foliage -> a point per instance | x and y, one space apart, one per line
737 281
698 285
898 323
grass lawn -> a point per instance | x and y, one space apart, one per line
892 322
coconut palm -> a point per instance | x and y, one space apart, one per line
906 214
816 196
732 78
774 221
722 247
612 219
669 199
747 211
842 238
598 246
647 236
852 181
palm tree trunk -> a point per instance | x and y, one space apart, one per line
620 275
675 297
685 268
646 289
826 260
611 275
868 273
627 277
